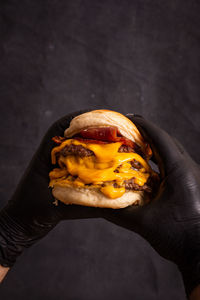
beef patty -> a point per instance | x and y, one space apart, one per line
82 151
130 185
76 150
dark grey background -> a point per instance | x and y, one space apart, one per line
59 56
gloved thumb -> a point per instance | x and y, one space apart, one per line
165 150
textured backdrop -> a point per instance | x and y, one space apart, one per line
59 56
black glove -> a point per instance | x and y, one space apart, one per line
171 222
31 214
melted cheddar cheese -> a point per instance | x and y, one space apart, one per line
98 168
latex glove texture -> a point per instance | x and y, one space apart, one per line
171 222
30 214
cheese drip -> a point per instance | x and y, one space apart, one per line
98 168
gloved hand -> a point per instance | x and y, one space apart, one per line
30 213
171 222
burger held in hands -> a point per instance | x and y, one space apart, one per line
102 161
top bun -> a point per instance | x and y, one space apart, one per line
104 117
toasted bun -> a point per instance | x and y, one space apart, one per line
104 117
91 197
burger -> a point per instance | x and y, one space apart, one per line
102 161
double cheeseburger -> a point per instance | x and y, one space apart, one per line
102 161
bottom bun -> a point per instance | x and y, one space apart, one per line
93 197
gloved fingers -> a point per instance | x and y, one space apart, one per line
72 211
148 220
182 150
163 146
130 217
57 129
179 146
